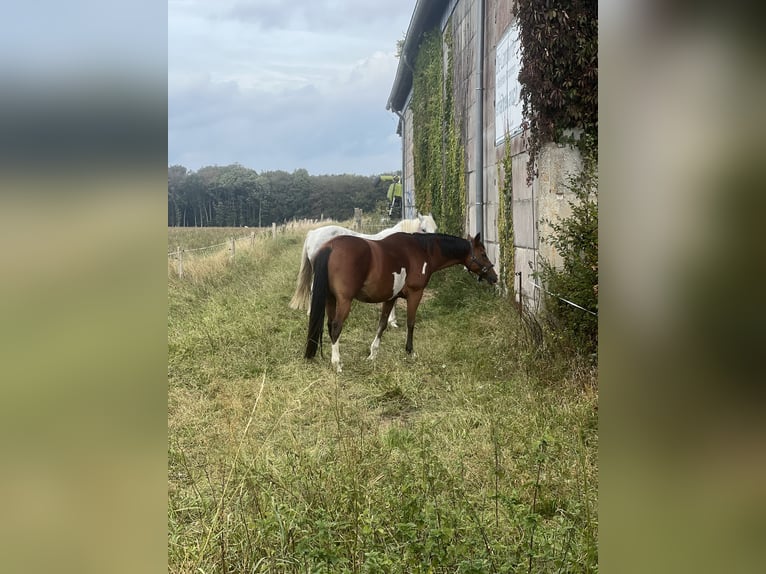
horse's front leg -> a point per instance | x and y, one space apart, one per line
413 300
387 308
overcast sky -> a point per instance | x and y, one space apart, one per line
284 85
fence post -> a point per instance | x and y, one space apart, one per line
358 218
521 300
233 247
180 257
273 230
252 239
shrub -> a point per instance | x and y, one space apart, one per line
576 240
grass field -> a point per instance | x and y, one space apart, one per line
479 454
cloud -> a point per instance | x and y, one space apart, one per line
327 15
343 128
251 83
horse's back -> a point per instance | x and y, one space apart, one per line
350 250
321 235
400 243
349 263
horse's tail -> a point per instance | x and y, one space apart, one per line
318 298
302 293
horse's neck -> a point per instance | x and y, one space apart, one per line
406 225
438 260
401 226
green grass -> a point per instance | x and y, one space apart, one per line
479 454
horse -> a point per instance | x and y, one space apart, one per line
317 237
398 266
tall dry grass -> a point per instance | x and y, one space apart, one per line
479 454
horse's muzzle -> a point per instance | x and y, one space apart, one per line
489 276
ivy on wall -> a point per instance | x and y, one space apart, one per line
505 219
559 70
559 92
438 155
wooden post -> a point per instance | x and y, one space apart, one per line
180 257
233 247
521 300
252 239
358 218
274 230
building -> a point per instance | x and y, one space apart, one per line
480 65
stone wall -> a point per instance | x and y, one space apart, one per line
547 198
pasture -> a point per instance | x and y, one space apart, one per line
478 454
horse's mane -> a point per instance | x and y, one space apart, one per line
408 225
450 245
414 225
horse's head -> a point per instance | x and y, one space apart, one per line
479 263
426 223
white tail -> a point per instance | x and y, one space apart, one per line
302 293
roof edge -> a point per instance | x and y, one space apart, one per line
422 19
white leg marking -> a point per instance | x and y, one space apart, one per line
374 348
399 279
423 271
336 355
392 318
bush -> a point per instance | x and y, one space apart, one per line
576 240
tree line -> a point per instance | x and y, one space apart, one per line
235 196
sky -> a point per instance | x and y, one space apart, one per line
276 85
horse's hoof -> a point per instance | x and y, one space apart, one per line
393 324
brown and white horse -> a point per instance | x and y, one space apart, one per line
321 235
398 266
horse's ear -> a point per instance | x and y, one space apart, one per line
477 239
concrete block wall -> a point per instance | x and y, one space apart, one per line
547 198
408 187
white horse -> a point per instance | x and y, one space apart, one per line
317 237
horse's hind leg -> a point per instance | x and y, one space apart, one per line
413 300
340 310
392 316
387 308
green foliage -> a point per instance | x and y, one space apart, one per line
235 196
505 220
430 463
576 240
438 153
559 70
400 45
559 91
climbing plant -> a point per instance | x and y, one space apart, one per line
559 93
505 218
454 183
438 154
559 70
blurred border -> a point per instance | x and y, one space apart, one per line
83 127
83 349
683 325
